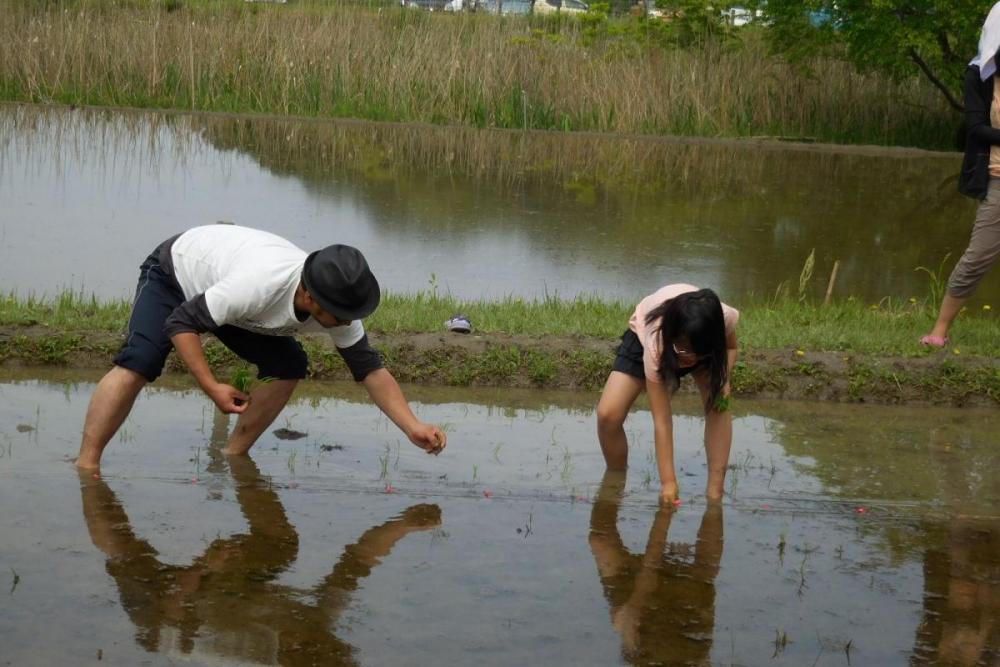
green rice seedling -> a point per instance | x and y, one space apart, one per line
780 643
243 378
567 465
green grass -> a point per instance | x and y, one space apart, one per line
68 312
890 327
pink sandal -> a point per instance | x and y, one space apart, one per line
934 341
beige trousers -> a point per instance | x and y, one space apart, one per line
984 246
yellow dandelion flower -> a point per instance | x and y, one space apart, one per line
987 307
799 353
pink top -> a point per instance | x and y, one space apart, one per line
648 333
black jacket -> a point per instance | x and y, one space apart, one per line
980 136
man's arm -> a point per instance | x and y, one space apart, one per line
188 346
388 396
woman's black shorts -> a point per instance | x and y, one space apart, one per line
628 359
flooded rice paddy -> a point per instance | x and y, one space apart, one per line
535 214
849 535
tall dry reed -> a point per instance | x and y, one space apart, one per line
479 70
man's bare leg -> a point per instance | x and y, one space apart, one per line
109 406
266 401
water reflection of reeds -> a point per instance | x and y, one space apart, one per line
315 151
638 164
753 209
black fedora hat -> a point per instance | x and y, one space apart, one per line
339 279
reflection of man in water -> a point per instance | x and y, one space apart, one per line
662 601
229 593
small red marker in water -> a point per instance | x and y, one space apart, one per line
389 488
194 480
765 506
861 510
488 494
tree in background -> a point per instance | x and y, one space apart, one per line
901 37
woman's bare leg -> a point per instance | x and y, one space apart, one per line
620 392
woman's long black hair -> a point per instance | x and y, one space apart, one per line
696 316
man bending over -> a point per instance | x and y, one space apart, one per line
253 290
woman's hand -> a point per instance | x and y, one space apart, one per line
669 493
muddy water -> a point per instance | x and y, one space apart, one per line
479 214
847 531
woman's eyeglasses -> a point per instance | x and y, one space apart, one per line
681 352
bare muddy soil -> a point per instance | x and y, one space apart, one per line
580 363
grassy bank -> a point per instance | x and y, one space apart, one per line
478 70
848 351
889 327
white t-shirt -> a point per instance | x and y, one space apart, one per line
249 278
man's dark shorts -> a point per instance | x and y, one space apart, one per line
628 358
146 347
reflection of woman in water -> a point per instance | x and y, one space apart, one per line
229 592
663 600
961 620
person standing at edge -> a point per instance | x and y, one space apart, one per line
980 179
253 290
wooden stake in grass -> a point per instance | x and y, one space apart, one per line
829 285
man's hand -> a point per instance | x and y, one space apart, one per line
428 437
229 399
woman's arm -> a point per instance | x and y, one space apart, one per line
732 355
663 439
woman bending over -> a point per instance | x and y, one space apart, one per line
676 331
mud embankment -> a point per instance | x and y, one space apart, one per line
576 363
